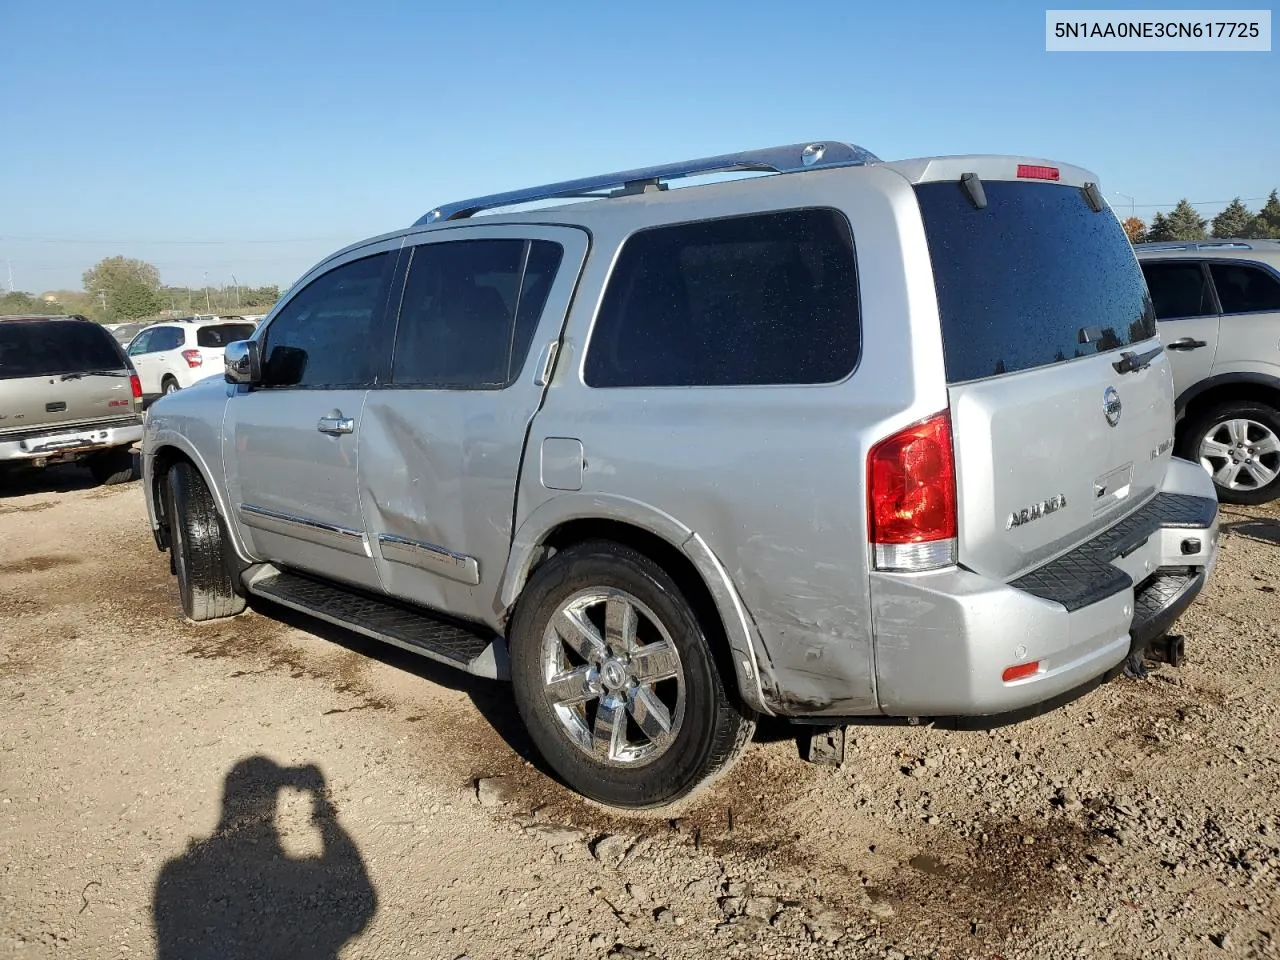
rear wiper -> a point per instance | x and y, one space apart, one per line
93 373
1131 362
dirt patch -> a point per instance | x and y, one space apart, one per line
36 507
38 564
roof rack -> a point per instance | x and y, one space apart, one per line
788 159
1207 244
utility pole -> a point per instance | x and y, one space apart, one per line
207 305
9 263
237 284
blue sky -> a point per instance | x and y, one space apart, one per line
284 130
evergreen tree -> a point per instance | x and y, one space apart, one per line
1266 225
1185 224
1160 229
1234 221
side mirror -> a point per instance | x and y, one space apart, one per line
242 362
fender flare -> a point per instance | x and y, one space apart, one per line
1223 380
739 628
169 438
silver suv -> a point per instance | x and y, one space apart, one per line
855 439
1218 303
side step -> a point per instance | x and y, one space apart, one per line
411 628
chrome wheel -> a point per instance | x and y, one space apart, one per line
1241 454
612 677
170 386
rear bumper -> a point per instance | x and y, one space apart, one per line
943 641
68 443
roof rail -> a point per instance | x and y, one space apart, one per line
787 159
1206 244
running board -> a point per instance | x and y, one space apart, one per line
419 631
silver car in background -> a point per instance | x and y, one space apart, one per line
856 439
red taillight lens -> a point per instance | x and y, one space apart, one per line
192 357
1032 172
911 482
136 386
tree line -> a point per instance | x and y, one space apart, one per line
121 288
1235 222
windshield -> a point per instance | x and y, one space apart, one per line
1035 278
41 348
223 333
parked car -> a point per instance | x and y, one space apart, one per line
67 393
1218 303
173 355
859 439
125 332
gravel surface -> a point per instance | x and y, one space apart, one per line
272 787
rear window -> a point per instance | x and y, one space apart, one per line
1034 278
759 299
223 333
43 348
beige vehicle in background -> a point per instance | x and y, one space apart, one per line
67 393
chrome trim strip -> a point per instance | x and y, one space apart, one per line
430 557
301 528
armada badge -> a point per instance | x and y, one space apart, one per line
1026 515
1111 405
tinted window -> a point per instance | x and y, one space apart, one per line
223 333
768 299
1034 278
44 348
166 338
1178 290
469 311
1245 289
141 343
327 335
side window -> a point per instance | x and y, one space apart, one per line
328 335
141 343
760 299
469 311
1178 289
1245 289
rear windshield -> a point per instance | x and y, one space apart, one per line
1033 279
221 334
42 348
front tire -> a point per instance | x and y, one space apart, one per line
1238 443
201 553
616 682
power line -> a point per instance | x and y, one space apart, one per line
1201 203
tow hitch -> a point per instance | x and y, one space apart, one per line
1169 648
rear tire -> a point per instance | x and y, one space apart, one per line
168 386
1251 431
676 725
113 467
201 552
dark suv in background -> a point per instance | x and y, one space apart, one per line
67 392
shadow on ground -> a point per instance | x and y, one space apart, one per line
240 893
58 478
1260 529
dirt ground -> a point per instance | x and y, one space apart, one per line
272 787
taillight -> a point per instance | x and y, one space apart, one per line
136 386
1031 171
192 357
911 497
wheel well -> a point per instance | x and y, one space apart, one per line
163 460
1226 393
672 559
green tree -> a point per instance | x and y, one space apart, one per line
1185 223
1160 229
1266 225
1234 221
132 299
109 275
17 302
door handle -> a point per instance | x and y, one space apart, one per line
336 425
1186 343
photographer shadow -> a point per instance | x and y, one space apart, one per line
240 894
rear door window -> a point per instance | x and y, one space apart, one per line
1034 278
469 311
166 338
45 348
221 334
1245 289
1179 289
749 300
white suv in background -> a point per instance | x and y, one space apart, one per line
170 356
